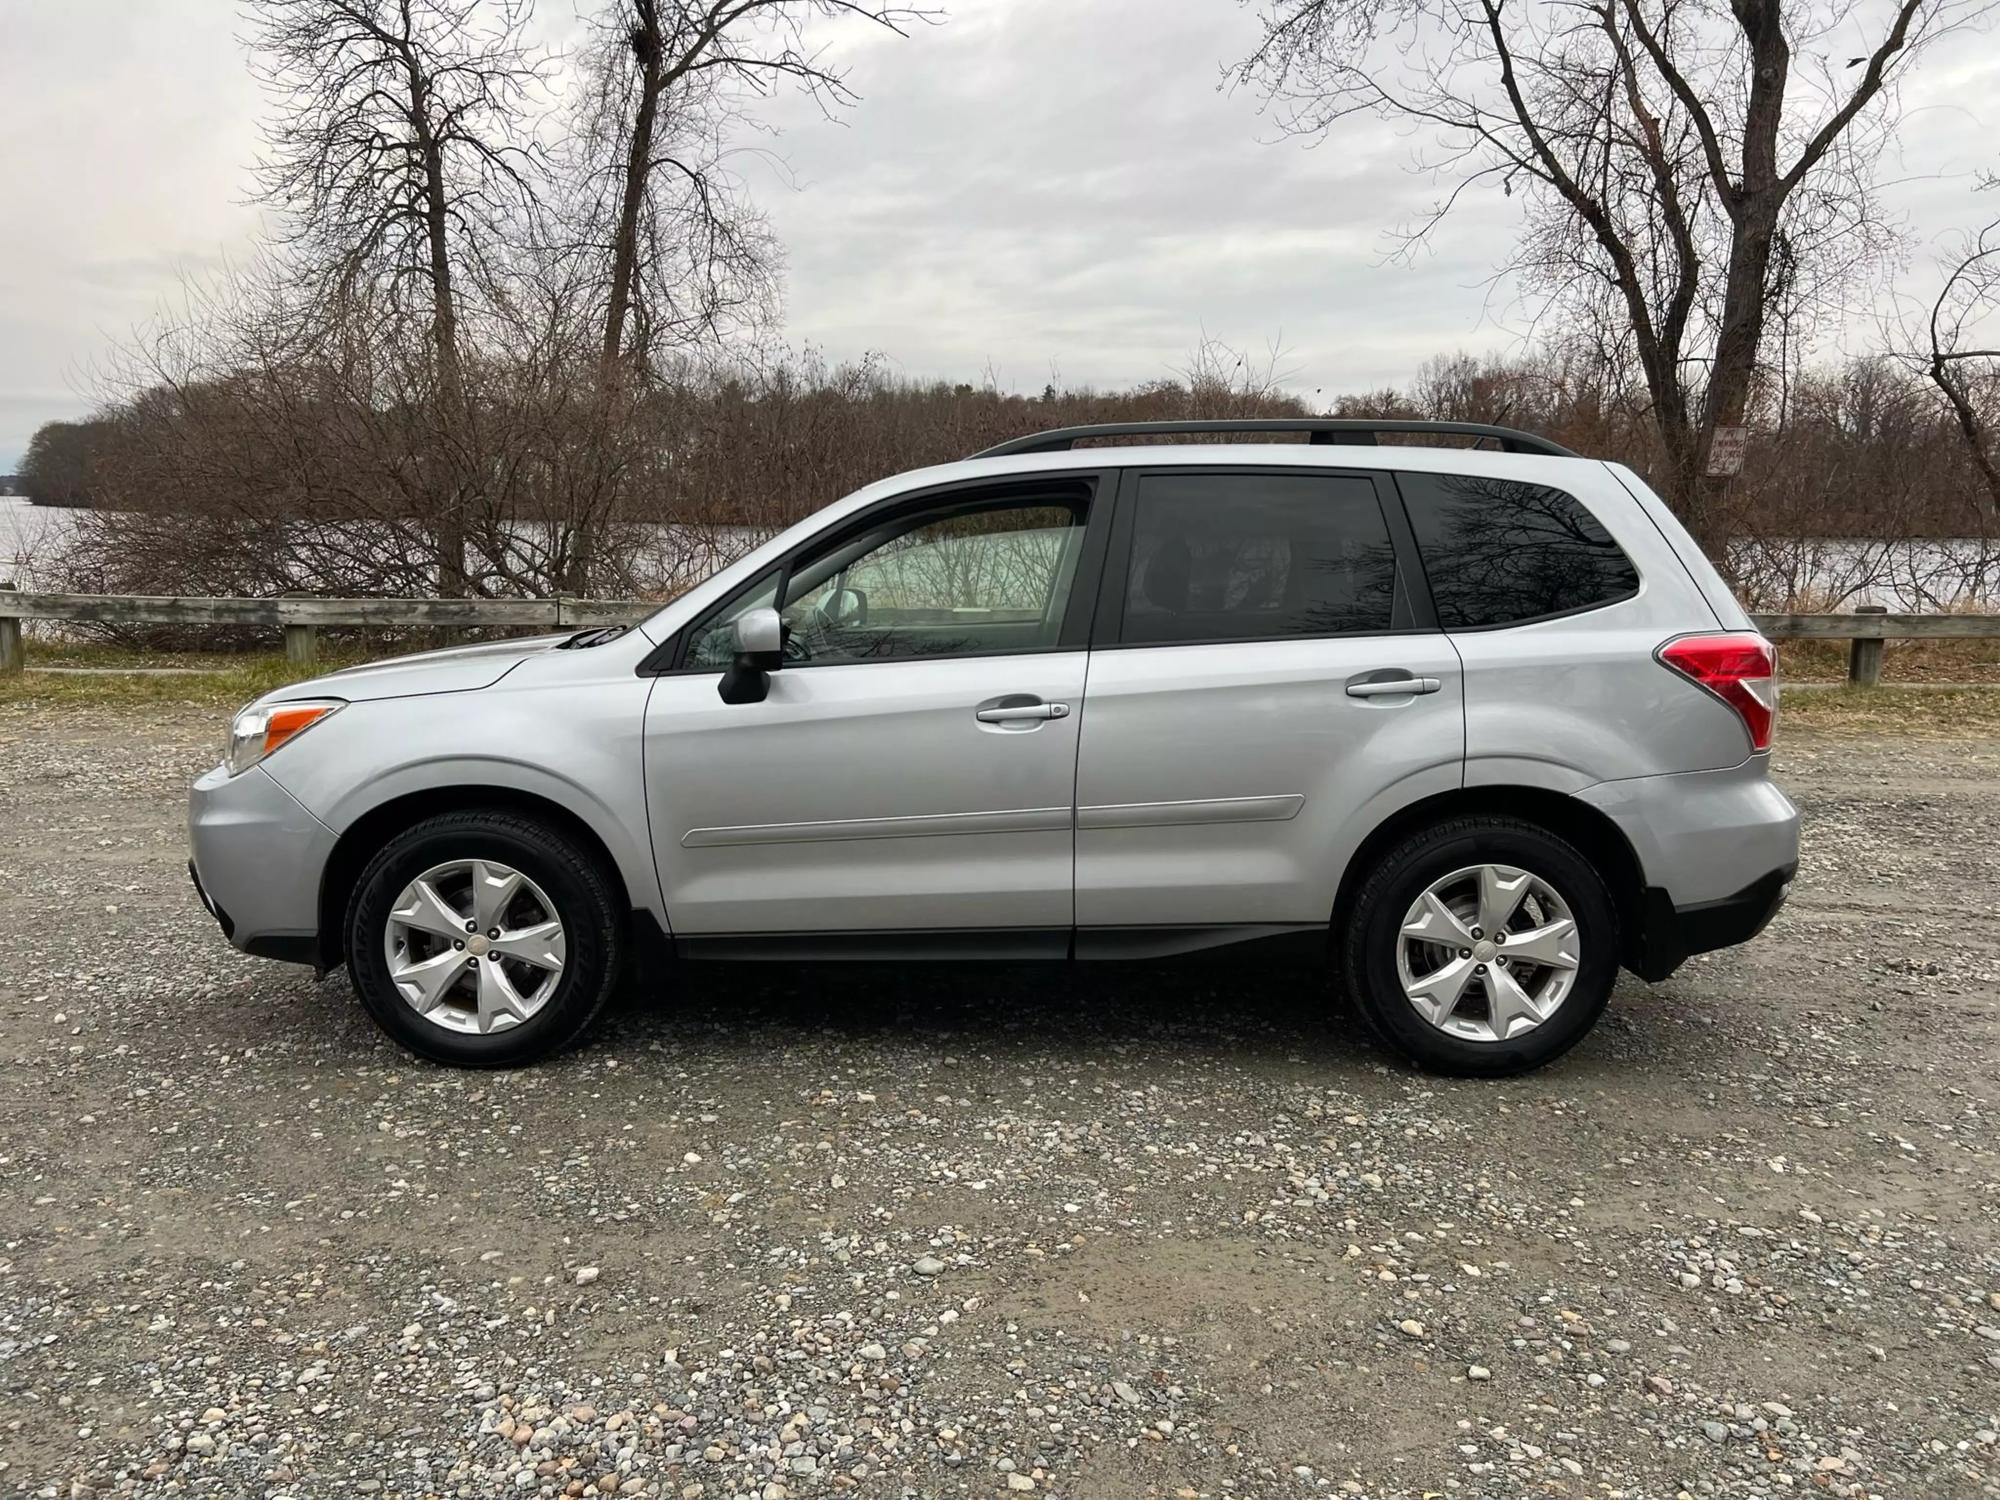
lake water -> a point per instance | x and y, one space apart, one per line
29 534
1826 573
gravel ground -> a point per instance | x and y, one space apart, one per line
1144 1232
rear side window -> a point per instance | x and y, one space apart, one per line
1500 552
1234 557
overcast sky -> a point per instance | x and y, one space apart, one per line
1034 186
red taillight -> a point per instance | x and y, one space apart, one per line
1740 669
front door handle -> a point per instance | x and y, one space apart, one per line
1383 687
1023 711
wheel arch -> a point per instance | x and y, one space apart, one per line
360 840
1594 834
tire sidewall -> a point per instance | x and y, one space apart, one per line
1415 865
544 859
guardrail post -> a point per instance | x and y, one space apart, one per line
301 641
1864 655
10 638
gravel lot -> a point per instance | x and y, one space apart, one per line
1102 1233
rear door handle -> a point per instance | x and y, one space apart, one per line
1024 711
1383 687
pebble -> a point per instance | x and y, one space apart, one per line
1171 1217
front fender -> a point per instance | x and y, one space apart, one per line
576 744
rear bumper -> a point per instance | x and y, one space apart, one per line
257 860
1674 933
1717 851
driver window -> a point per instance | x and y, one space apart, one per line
965 579
971 581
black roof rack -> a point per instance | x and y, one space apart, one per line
1338 430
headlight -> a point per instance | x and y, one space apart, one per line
262 728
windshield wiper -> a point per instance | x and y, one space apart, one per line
595 637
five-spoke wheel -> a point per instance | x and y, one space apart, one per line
484 938
474 945
1481 945
1487 952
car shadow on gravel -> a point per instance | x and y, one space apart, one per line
1273 1016
1292 1012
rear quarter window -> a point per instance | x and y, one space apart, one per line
1503 552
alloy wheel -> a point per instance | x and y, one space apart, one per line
1488 952
474 946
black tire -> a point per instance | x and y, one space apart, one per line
1370 933
584 898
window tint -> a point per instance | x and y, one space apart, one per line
1230 557
1498 551
962 580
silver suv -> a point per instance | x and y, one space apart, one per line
1478 727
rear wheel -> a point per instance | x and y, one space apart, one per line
483 939
1482 946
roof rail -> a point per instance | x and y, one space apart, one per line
1339 430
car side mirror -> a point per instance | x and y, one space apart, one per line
760 651
846 609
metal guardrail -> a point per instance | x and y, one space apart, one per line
300 617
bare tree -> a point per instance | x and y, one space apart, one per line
1964 367
1692 168
399 149
682 248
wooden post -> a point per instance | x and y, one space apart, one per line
301 641
10 639
1864 656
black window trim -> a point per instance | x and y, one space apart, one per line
1402 511
1109 634
669 658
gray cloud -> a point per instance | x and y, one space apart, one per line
1035 185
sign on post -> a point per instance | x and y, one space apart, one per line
1725 452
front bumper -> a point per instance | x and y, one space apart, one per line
258 858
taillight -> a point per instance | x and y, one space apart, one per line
1740 668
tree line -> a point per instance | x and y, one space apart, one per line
516 331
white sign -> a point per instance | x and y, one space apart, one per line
1725 451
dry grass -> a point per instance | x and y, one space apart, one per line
1914 712
114 675
1902 661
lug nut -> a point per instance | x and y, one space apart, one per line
1465 953
459 944
1499 937
1477 933
472 927
1481 969
1501 960
494 933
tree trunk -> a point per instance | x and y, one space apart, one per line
446 491
646 43
1971 426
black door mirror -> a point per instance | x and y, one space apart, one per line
760 651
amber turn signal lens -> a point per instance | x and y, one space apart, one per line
287 720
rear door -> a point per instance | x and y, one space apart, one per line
1265 685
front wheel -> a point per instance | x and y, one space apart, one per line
483 939
1481 946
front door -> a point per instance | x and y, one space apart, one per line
913 768
1263 694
